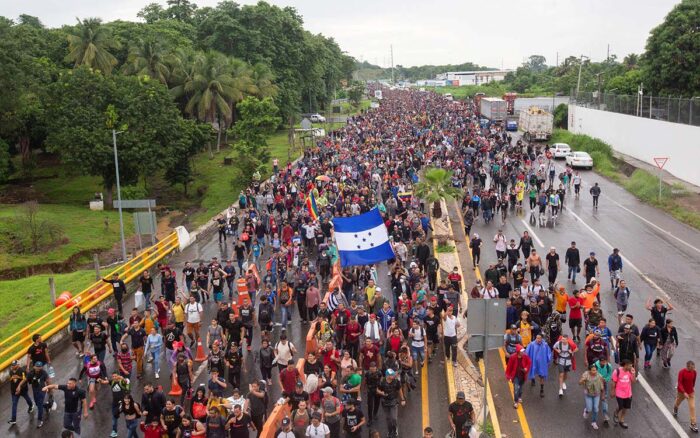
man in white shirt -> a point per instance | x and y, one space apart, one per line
317 429
449 332
193 319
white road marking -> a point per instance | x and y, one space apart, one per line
532 233
668 233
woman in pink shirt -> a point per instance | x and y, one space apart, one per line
622 380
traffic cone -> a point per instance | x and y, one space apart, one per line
175 389
201 357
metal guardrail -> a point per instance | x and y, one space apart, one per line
15 346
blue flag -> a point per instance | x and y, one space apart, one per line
362 240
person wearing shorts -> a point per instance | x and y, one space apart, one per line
565 350
623 378
576 315
418 337
193 320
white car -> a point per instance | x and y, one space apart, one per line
560 150
317 118
579 159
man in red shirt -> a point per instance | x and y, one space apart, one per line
576 315
686 391
339 321
288 378
369 353
331 356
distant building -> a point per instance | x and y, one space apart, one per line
460 78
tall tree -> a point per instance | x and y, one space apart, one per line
210 90
148 57
671 62
259 119
631 61
89 44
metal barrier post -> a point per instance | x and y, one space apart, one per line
52 291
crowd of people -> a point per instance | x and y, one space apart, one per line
370 345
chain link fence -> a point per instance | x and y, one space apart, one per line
668 109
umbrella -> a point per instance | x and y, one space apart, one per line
469 150
324 178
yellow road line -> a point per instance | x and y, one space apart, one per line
521 412
425 399
489 401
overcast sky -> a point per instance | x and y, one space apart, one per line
488 32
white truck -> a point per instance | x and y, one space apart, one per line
536 124
492 108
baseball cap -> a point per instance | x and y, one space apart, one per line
39 364
592 253
390 372
628 327
14 363
300 385
460 394
327 390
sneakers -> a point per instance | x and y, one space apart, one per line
585 413
39 424
157 376
12 422
694 428
594 425
114 434
675 411
606 420
561 393
563 386
31 409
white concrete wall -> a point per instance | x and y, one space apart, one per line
643 139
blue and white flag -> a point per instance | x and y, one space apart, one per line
362 240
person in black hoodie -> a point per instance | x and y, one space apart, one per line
650 338
152 403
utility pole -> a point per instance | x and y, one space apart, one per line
607 57
557 65
578 83
391 52
119 195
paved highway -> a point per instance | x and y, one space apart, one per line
661 257
100 420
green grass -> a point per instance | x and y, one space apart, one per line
642 184
15 294
493 89
84 229
213 179
445 248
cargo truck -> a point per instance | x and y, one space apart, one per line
536 124
492 108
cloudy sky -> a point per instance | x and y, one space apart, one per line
488 32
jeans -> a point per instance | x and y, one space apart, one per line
155 354
592 402
39 396
71 421
147 300
115 417
372 404
517 389
132 426
286 314
15 402
188 285
649 351
101 355
604 398
390 413
572 273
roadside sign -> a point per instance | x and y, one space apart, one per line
145 222
486 321
135 203
660 161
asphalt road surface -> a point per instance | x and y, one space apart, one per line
660 257
67 364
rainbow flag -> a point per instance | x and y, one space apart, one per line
311 206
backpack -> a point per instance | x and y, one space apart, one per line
264 314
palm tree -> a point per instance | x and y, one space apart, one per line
89 45
243 84
631 61
148 58
208 90
437 185
263 78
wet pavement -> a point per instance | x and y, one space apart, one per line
661 257
67 364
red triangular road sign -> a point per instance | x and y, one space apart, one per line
660 161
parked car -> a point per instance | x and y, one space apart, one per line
579 159
560 150
317 118
512 125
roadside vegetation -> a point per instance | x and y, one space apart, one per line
641 183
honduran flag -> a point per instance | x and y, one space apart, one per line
362 239
311 206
